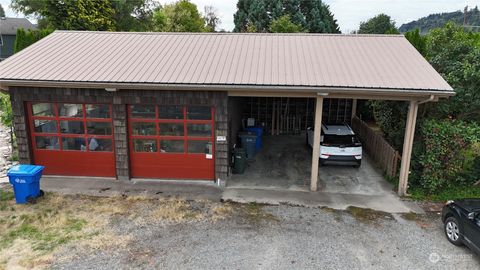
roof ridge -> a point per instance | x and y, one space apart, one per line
228 33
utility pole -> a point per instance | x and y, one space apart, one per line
465 16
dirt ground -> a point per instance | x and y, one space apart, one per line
131 232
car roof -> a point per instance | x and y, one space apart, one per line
337 129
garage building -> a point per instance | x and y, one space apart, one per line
170 105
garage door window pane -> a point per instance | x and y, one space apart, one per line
169 129
199 113
141 111
43 109
97 111
77 144
144 129
204 147
45 126
199 130
99 128
50 143
72 127
170 112
100 145
172 146
70 110
145 145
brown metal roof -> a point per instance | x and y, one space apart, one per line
215 59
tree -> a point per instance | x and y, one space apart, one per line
26 38
2 11
418 41
181 16
380 24
258 16
134 15
212 20
94 15
313 16
127 15
284 25
455 53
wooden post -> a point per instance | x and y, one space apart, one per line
407 148
354 107
316 143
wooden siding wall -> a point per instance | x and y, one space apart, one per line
377 147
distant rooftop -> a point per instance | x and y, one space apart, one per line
387 62
9 26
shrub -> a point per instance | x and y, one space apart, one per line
450 156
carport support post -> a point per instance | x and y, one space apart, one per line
407 148
316 143
354 107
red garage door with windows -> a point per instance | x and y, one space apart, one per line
171 142
72 139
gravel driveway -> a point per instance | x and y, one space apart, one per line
281 237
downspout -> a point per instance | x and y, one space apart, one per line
431 98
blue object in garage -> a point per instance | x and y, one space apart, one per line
259 133
25 180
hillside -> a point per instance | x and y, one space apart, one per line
432 21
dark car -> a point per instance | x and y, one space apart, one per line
461 221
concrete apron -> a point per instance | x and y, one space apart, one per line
389 203
205 190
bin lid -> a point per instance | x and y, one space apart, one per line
25 170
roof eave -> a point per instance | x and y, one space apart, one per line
231 88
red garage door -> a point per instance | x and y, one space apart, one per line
171 142
72 139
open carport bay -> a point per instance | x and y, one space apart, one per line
284 162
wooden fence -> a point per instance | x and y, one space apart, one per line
377 147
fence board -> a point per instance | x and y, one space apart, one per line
377 147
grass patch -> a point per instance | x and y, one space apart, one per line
176 211
30 234
411 216
6 195
367 215
451 193
254 213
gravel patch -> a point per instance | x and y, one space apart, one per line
278 237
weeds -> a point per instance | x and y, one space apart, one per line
366 215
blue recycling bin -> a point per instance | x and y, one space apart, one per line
25 180
258 131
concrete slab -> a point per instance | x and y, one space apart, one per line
389 203
190 190
282 164
281 174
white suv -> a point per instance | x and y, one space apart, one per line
338 143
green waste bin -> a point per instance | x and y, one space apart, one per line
249 141
239 159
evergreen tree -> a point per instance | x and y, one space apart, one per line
294 10
2 11
258 16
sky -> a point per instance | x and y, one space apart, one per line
349 13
